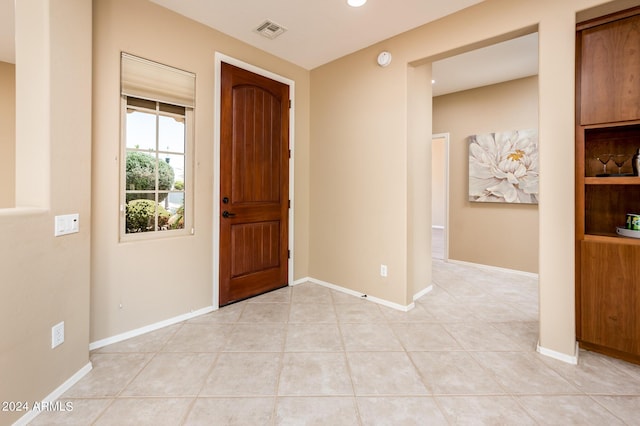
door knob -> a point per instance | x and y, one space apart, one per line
225 200
227 214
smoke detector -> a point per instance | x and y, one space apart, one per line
270 29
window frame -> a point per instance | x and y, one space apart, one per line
188 191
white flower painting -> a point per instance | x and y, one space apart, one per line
503 167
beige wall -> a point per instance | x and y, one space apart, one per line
362 134
160 279
7 134
418 182
45 279
359 176
493 234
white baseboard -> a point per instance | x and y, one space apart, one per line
301 281
148 328
422 292
55 395
493 268
359 295
569 359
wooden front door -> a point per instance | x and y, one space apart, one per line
254 184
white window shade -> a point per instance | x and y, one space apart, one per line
146 79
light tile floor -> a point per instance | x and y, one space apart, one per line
307 355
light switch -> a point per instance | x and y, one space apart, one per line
67 224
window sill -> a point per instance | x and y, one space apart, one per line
155 236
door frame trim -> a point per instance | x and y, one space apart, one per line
446 137
218 59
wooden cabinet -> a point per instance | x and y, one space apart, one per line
610 71
610 298
607 122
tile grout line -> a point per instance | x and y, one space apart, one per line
339 324
276 397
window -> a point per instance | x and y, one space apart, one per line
156 187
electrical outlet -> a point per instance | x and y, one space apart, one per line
57 335
383 270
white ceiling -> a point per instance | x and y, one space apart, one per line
509 60
319 31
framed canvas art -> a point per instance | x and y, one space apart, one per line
503 167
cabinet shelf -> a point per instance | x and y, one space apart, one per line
612 238
615 180
612 125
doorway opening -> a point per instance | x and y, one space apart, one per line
439 196
466 103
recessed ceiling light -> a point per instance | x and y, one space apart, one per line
356 3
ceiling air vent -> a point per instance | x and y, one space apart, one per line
270 29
